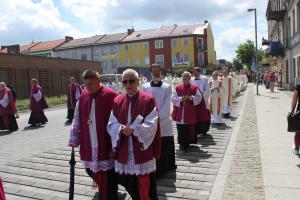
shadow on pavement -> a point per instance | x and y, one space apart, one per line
121 196
221 126
193 154
206 140
30 128
167 180
3 133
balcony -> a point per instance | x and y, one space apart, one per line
275 15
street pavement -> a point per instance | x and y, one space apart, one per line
248 157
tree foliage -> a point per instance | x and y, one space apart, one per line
246 53
237 65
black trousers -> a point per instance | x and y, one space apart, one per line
12 126
202 127
167 156
130 183
70 115
183 135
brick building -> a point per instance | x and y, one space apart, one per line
52 73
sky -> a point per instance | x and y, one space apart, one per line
24 21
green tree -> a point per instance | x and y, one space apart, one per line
237 65
246 53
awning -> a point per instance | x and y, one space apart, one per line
276 49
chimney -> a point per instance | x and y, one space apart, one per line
130 30
68 38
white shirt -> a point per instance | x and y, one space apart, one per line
162 97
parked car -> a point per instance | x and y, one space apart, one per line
114 78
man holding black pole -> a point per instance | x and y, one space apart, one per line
88 131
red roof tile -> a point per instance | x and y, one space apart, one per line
27 47
46 46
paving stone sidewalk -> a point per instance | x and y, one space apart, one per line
34 163
245 180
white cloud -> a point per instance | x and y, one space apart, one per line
41 20
23 21
228 41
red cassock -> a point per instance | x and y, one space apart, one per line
142 104
40 105
71 103
11 107
187 109
104 99
2 193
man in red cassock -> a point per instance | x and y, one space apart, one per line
134 129
74 92
185 99
88 130
7 109
37 104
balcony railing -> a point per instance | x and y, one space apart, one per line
276 15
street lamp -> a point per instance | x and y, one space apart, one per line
257 67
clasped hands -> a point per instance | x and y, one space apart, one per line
127 131
186 97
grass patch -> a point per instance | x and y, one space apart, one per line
23 104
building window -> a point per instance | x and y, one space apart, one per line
159 59
298 18
74 54
173 43
136 47
136 60
126 61
146 46
159 44
200 43
186 58
185 42
126 47
146 60
83 57
298 65
294 22
201 59
112 49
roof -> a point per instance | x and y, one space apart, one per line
4 50
112 38
81 42
194 29
45 46
140 35
163 31
27 47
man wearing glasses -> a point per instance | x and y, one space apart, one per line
134 129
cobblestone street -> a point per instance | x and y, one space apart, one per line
234 161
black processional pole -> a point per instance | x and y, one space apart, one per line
72 174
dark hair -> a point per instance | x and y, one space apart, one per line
90 74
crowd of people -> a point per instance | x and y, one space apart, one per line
124 129
125 135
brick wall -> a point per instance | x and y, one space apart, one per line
52 73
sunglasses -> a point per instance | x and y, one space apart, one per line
131 81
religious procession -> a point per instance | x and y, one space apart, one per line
124 129
125 136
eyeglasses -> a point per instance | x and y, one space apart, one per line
131 81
